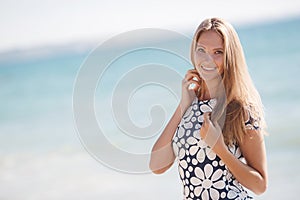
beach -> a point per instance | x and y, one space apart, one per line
42 155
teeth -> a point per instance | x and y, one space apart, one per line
208 68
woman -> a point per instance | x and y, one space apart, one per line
217 130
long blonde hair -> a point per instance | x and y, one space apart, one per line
241 98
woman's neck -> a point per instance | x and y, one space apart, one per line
210 89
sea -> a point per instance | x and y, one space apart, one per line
78 121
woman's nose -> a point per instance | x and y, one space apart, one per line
209 57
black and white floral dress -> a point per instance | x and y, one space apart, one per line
203 174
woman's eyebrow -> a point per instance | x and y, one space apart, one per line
219 48
200 45
216 48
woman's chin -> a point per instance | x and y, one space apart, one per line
209 76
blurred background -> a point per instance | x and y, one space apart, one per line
44 43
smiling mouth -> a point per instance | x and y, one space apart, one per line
208 68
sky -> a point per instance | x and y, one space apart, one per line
32 23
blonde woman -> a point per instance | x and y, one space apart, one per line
217 131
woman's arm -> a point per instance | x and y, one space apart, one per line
252 175
162 155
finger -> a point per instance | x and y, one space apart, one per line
191 75
202 133
185 82
206 116
192 82
189 80
205 120
193 72
193 85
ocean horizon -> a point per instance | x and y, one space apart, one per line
42 154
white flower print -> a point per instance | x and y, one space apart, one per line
207 182
187 112
212 103
180 132
235 151
203 174
236 191
205 108
201 149
188 125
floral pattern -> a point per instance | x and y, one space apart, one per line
203 174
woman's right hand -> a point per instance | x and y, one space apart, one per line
190 88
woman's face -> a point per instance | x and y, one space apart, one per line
209 55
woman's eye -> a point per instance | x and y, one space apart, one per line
219 52
200 50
